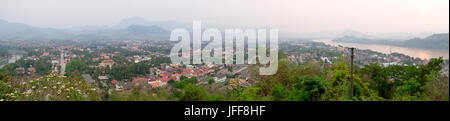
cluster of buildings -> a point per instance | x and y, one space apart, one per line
304 52
165 72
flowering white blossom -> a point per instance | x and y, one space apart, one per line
28 91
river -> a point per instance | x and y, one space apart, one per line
413 52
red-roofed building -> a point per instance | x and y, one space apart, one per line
31 70
106 57
140 80
45 54
293 53
176 77
106 63
164 80
155 83
159 82
165 75
114 82
188 72
237 82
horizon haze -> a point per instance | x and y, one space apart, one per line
298 18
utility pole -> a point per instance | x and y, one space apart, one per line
351 71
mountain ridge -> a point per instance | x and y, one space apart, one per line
434 41
18 31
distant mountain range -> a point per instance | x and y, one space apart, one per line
435 41
138 28
17 31
133 32
133 28
168 25
396 36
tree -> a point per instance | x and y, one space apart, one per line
54 88
43 66
379 76
4 77
341 74
309 88
210 80
6 91
192 80
435 64
437 88
245 94
76 66
121 72
279 92
142 68
409 87
171 82
194 92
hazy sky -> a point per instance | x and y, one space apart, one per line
299 16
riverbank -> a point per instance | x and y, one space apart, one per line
413 52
